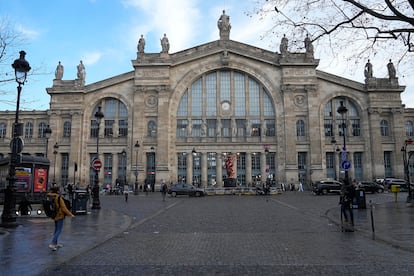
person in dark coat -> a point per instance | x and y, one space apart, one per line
25 206
346 198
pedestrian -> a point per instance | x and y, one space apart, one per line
126 191
62 212
164 189
345 200
300 186
24 207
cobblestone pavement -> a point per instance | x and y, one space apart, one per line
287 234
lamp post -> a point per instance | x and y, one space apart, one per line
406 161
344 158
96 204
48 133
8 217
123 153
194 153
55 152
136 168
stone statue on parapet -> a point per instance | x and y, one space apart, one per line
308 46
141 44
59 71
284 45
391 70
368 70
224 26
165 44
81 72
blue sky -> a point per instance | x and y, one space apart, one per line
104 34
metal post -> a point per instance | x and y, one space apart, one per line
136 168
55 152
96 204
8 217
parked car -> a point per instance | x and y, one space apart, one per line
185 189
388 182
327 186
370 187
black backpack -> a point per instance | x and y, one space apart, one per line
50 207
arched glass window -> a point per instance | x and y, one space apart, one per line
300 128
384 128
115 120
409 128
28 130
333 120
3 130
42 127
225 103
67 128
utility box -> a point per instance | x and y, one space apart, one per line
395 188
80 202
359 200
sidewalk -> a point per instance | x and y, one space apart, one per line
393 223
24 249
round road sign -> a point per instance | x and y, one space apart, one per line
97 164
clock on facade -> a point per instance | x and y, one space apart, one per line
225 106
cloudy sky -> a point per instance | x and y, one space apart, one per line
104 34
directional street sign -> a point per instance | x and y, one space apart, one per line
345 165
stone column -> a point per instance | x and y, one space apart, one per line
189 168
219 170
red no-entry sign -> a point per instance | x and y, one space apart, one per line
97 164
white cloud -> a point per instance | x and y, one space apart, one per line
27 33
91 58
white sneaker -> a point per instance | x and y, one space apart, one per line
53 247
59 245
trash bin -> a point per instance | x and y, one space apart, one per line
360 200
80 202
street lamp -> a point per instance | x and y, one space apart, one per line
96 204
406 161
8 217
55 152
123 153
345 163
48 133
136 168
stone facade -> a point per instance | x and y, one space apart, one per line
151 94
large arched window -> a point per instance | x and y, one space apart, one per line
115 120
225 104
333 120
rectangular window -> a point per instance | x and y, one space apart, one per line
254 98
197 98
182 166
256 127
356 127
211 169
65 169
226 127
387 164
270 128
123 128
224 86
28 131
358 172
239 95
211 95
328 127
94 129
211 127
110 108
122 164
196 131
182 108
67 127
182 128
109 128
108 163
330 165
302 160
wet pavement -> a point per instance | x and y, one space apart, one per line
24 249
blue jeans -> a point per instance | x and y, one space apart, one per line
58 230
